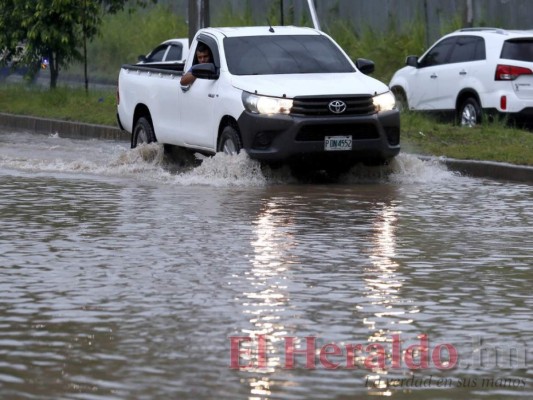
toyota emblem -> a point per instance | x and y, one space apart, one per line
337 106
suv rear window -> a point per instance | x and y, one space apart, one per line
266 55
518 49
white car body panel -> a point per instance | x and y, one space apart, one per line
309 84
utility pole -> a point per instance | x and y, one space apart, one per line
469 14
426 17
198 16
314 16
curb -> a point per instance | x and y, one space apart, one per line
487 169
77 130
493 170
67 129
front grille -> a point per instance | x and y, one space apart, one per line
319 105
315 133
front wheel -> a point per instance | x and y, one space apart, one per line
142 133
229 141
401 99
469 113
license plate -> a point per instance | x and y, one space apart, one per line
337 143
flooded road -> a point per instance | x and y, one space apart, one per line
124 276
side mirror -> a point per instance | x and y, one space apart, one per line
365 66
205 71
412 61
141 58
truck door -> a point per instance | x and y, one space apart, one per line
198 127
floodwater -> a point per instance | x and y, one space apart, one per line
126 276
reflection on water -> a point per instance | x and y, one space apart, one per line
268 295
120 279
383 292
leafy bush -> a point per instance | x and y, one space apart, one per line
124 37
387 49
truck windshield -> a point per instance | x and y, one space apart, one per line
290 54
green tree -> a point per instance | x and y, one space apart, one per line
53 29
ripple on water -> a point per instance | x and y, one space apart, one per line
126 279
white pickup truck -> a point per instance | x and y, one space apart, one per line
283 94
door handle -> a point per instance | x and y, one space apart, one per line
433 76
462 73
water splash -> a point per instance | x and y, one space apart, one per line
409 169
225 170
154 163
240 170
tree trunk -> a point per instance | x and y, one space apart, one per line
85 62
54 70
85 46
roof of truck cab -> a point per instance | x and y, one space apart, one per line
265 30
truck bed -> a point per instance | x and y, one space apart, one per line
162 68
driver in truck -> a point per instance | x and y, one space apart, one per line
203 56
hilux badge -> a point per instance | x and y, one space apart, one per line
337 106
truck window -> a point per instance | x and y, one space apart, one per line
284 54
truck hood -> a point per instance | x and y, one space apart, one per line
309 84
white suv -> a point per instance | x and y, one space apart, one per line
171 51
471 71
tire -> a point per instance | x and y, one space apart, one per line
469 113
377 162
142 133
401 99
229 141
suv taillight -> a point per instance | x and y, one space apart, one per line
510 72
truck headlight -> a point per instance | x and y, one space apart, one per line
384 102
266 105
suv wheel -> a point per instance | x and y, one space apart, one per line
469 113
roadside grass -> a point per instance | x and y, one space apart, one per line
489 141
69 104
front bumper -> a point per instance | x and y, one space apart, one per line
286 138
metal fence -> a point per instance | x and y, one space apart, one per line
379 14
